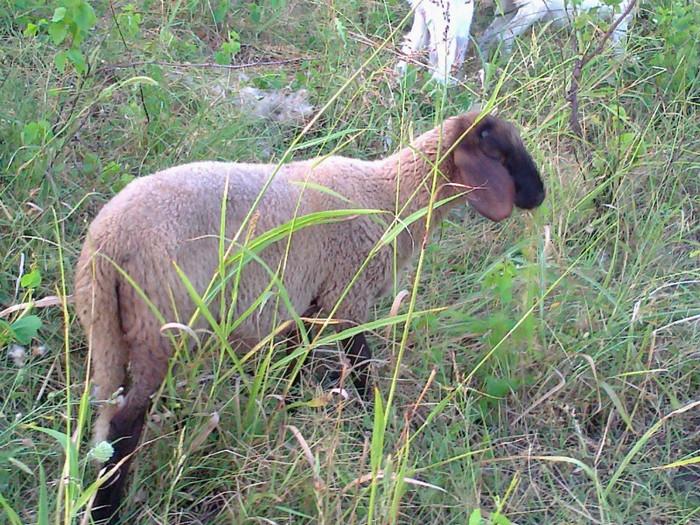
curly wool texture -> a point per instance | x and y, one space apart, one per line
171 221
173 217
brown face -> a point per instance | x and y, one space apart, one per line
495 169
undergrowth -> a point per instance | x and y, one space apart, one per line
550 369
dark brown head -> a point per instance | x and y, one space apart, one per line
494 167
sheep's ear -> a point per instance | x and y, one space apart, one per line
489 186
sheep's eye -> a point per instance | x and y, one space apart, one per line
496 154
484 133
493 151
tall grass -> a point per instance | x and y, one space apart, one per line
540 371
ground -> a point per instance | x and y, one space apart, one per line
550 369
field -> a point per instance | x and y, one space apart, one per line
543 370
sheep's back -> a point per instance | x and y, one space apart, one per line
556 9
173 218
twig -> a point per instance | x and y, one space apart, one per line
572 97
51 300
609 32
580 63
210 65
542 399
126 47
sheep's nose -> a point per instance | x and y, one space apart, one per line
539 198
529 198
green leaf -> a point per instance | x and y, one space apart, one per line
475 517
26 328
627 138
5 332
129 20
110 170
255 13
78 60
504 289
124 179
499 325
43 511
500 519
497 387
378 433
9 512
222 57
33 132
619 405
60 61
232 47
340 28
30 132
59 14
681 463
84 16
501 279
31 279
57 32
91 164
67 445
219 11
31 30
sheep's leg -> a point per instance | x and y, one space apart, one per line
618 36
108 376
414 40
294 340
149 364
353 308
97 306
523 19
359 353
124 434
491 35
461 20
462 45
446 50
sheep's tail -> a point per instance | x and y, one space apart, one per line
97 305
120 333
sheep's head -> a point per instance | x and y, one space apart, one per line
494 167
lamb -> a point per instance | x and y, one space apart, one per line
518 15
441 26
174 217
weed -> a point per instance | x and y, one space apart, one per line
543 371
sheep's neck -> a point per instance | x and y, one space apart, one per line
417 183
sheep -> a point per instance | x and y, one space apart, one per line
173 218
518 15
443 27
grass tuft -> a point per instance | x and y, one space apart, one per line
544 370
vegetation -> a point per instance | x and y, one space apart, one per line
545 370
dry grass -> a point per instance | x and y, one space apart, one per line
569 418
